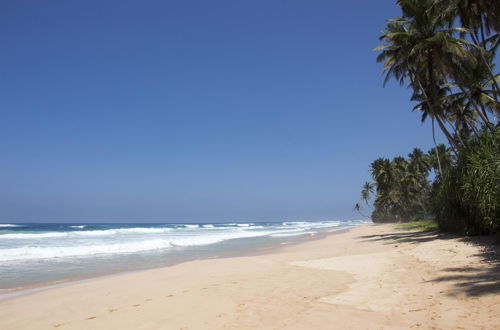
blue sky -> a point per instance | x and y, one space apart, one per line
194 110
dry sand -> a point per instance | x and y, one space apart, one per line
372 277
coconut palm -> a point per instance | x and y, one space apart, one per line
381 171
443 157
475 79
418 49
419 161
366 193
357 208
481 17
402 187
445 51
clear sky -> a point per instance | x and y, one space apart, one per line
194 110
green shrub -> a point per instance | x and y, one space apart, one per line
467 198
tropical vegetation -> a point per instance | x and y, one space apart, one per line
445 52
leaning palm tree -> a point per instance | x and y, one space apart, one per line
366 193
357 208
482 18
418 48
423 49
477 90
433 104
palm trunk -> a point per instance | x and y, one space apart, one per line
478 108
359 211
455 131
452 142
471 99
483 110
436 148
443 128
472 127
481 27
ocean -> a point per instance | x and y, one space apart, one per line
33 254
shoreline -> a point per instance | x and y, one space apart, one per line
371 276
259 250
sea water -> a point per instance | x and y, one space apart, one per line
32 254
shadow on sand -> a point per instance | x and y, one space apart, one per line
471 281
408 237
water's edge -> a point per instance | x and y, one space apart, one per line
264 249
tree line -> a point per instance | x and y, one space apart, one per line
445 52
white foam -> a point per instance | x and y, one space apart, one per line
256 227
31 236
137 230
10 225
33 253
311 225
106 232
79 227
84 243
216 237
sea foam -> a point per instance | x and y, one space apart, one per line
30 252
27 244
106 232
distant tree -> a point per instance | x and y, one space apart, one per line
366 193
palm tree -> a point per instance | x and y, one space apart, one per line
442 157
419 160
418 49
401 191
382 173
402 187
417 178
481 17
433 104
474 77
366 193
381 170
357 208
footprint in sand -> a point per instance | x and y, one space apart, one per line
91 318
58 325
170 295
111 310
137 305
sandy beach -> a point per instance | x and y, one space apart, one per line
371 277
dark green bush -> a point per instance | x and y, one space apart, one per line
467 198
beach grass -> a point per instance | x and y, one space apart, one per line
422 225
